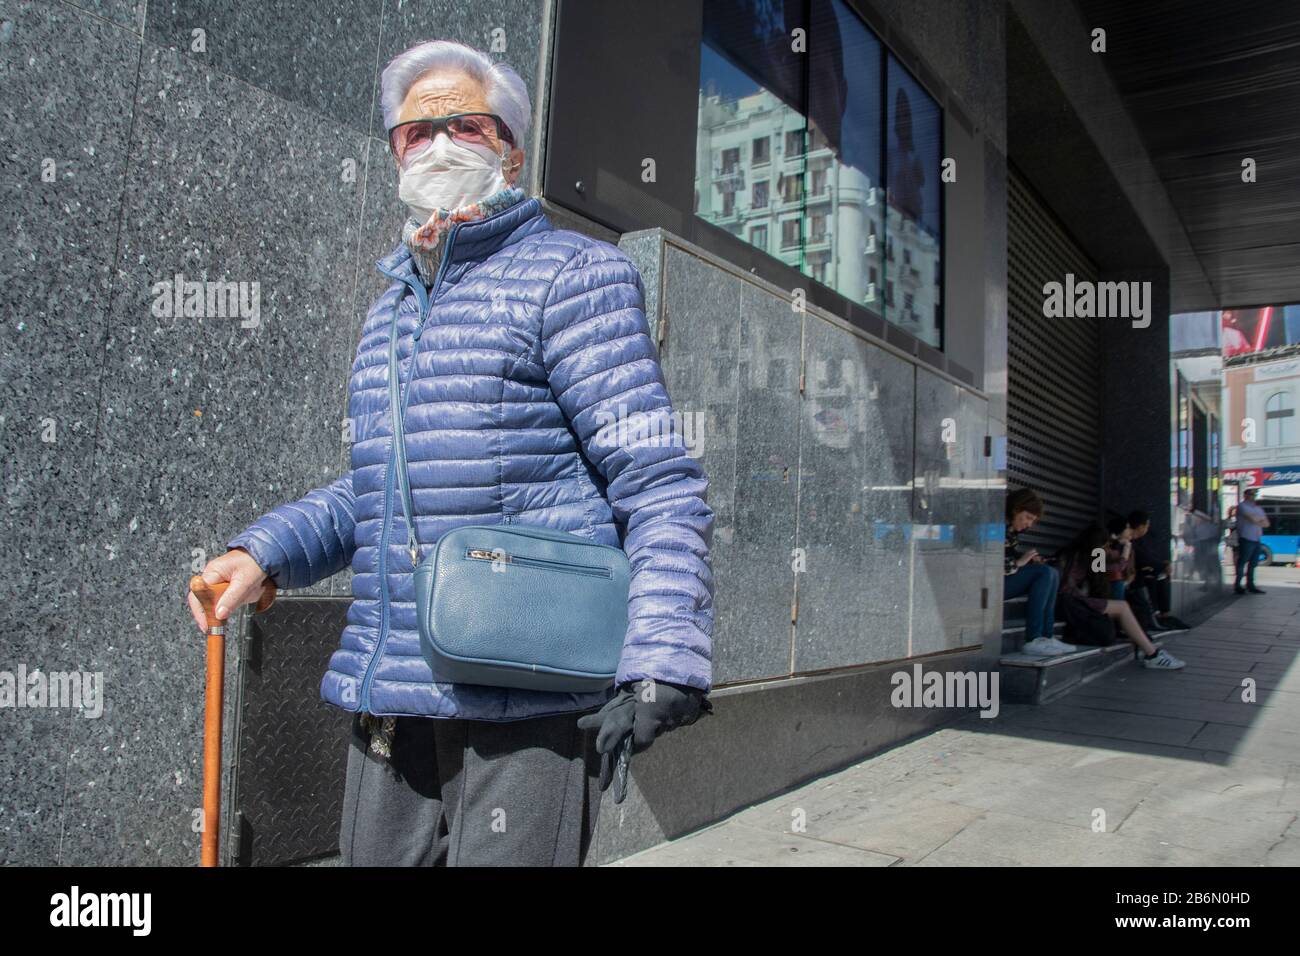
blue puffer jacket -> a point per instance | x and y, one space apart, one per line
531 340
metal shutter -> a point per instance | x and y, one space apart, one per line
1053 374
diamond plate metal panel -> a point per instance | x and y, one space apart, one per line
287 785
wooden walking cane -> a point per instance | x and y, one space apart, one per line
209 596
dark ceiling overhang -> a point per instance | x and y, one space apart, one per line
1209 83
1048 142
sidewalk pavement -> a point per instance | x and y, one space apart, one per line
1137 768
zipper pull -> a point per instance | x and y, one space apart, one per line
415 554
424 319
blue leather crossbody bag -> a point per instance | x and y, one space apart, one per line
512 605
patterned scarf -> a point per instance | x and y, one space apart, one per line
428 242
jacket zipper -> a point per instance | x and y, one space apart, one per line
545 564
426 306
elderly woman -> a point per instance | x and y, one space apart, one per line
517 344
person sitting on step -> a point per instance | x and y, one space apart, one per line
1119 558
1027 575
1150 591
1090 614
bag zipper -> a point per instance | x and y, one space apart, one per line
545 564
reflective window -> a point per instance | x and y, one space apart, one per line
845 207
1183 449
751 115
1279 419
1285 521
793 150
913 217
1200 460
1215 477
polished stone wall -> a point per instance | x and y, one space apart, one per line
219 141
850 484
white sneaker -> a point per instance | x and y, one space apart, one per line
1163 661
1047 647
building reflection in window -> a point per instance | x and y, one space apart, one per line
913 267
789 153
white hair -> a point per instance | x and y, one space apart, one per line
505 91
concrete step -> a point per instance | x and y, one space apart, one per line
1038 680
1013 635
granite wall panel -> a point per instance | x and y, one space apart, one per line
61 184
320 57
854 501
951 476
125 13
225 184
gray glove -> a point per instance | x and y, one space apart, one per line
629 723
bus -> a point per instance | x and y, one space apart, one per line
1280 543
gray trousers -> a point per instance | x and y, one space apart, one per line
472 793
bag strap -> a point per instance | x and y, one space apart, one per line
396 407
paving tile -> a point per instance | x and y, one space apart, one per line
1255 742
1038 750
1244 842
1224 712
1161 730
1283 853
1245 778
907 829
1061 795
1238 803
1024 841
891 817
1155 686
734 844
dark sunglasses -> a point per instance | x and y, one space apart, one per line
483 129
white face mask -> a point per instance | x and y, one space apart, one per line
449 174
